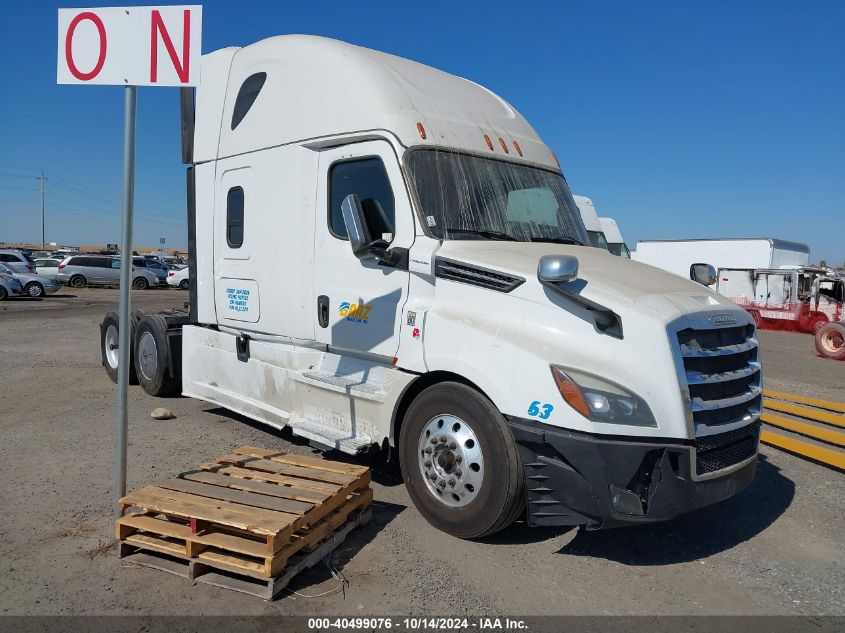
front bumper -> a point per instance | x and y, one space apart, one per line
601 482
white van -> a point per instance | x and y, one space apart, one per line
387 257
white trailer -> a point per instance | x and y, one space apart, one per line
590 218
385 257
677 256
615 242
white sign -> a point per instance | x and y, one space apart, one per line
130 46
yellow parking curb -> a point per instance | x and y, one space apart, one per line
811 430
818 453
806 412
816 402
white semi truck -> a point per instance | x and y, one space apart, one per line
590 218
386 257
615 242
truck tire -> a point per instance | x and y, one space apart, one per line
460 463
109 337
830 341
152 357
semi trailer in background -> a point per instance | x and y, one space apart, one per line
590 218
615 242
387 258
677 256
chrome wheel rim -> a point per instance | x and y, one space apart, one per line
35 290
450 460
147 355
110 343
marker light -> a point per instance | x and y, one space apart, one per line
421 130
570 392
489 142
600 400
504 145
517 148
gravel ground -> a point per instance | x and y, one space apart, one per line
777 548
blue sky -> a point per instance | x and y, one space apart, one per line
680 119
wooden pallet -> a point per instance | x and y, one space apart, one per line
249 513
211 574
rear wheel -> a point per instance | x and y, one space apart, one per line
152 357
830 341
140 283
109 345
460 463
34 289
184 284
77 281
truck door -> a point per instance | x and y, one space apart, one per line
358 304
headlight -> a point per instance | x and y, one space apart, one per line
600 400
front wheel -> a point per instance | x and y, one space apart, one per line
460 463
34 289
3 293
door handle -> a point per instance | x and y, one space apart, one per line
323 310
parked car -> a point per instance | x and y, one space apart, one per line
179 278
47 266
17 260
79 271
9 287
33 285
153 265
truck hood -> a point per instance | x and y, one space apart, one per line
617 283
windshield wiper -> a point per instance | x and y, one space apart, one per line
557 240
490 235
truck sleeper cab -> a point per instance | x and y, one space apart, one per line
385 255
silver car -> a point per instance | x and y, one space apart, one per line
33 285
79 271
17 260
9 287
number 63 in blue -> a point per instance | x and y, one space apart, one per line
535 407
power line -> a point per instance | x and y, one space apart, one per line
19 188
19 176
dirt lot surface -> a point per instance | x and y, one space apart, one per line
777 548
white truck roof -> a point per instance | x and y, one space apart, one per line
611 231
317 87
588 213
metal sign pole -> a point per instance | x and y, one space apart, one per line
125 327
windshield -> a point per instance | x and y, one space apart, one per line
466 197
620 249
597 239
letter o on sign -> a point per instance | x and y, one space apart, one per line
101 59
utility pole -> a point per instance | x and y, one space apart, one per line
43 243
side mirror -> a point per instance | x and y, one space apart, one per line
554 269
363 246
704 274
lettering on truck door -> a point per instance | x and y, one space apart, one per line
365 299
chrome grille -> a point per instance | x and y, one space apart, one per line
722 374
